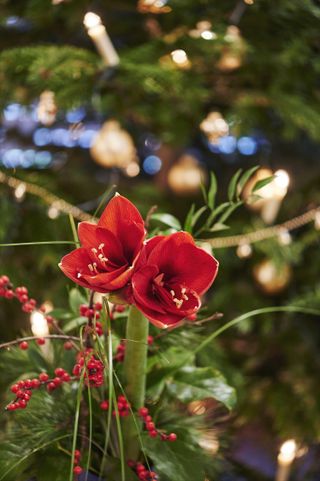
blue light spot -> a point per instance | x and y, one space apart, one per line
42 137
12 158
247 146
151 142
43 159
12 112
76 115
60 137
152 164
227 144
28 158
86 139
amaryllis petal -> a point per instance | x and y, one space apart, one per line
119 211
142 287
184 263
110 281
75 265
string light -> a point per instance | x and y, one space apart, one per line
20 192
260 235
39 325
53 212
244 250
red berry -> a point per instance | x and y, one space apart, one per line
150 340
150 426
120 308
22 404
4 280
77 453
57 381
131 463
28 383
77 470
104 405
35 383
143 411
66 377
41 341
24 345
11 407
51 386
172 437
9 294
98 306
59 371
43 377
153 433
23 298
49 319
14 388
68 346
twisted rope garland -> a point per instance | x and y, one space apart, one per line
219 243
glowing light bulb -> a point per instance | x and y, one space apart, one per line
132 170
91 20
282 179
288 451
39 325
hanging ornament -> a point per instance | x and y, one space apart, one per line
113 146
153 6
203 30
47 109
186 176
214 126
270 196
232 53
270 277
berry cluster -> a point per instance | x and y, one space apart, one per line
23 390
142 472
93 375
123 406
77 469
151 428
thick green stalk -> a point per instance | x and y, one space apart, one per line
135 364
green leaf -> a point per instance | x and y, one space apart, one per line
198 214
218 226
37 359
261 183
245 177
196 383
232 189
229 211
188 221
76 299
168 219
216 212
212 190
175 461
204 193
77 322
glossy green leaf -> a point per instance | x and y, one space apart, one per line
188 221
245 177
195 383
75 323
262 183
76 299
168 220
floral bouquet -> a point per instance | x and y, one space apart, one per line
108 388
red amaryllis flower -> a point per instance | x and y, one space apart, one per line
109 249
171 275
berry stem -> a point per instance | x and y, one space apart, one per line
34 338
135 375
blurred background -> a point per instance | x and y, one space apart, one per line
151 96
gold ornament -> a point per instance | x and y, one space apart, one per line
232 53
186 176
272 278
113 146
153 6
47 109
214 126
270 196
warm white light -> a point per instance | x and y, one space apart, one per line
53 212
91 20
179 56
282 179
39 325
317 220
284 237
244 250
132 170
208 35
288 451
20 191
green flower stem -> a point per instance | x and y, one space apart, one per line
135 365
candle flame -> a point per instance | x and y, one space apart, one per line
39 325
91 20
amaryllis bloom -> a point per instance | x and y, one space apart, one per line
171 275
109 249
